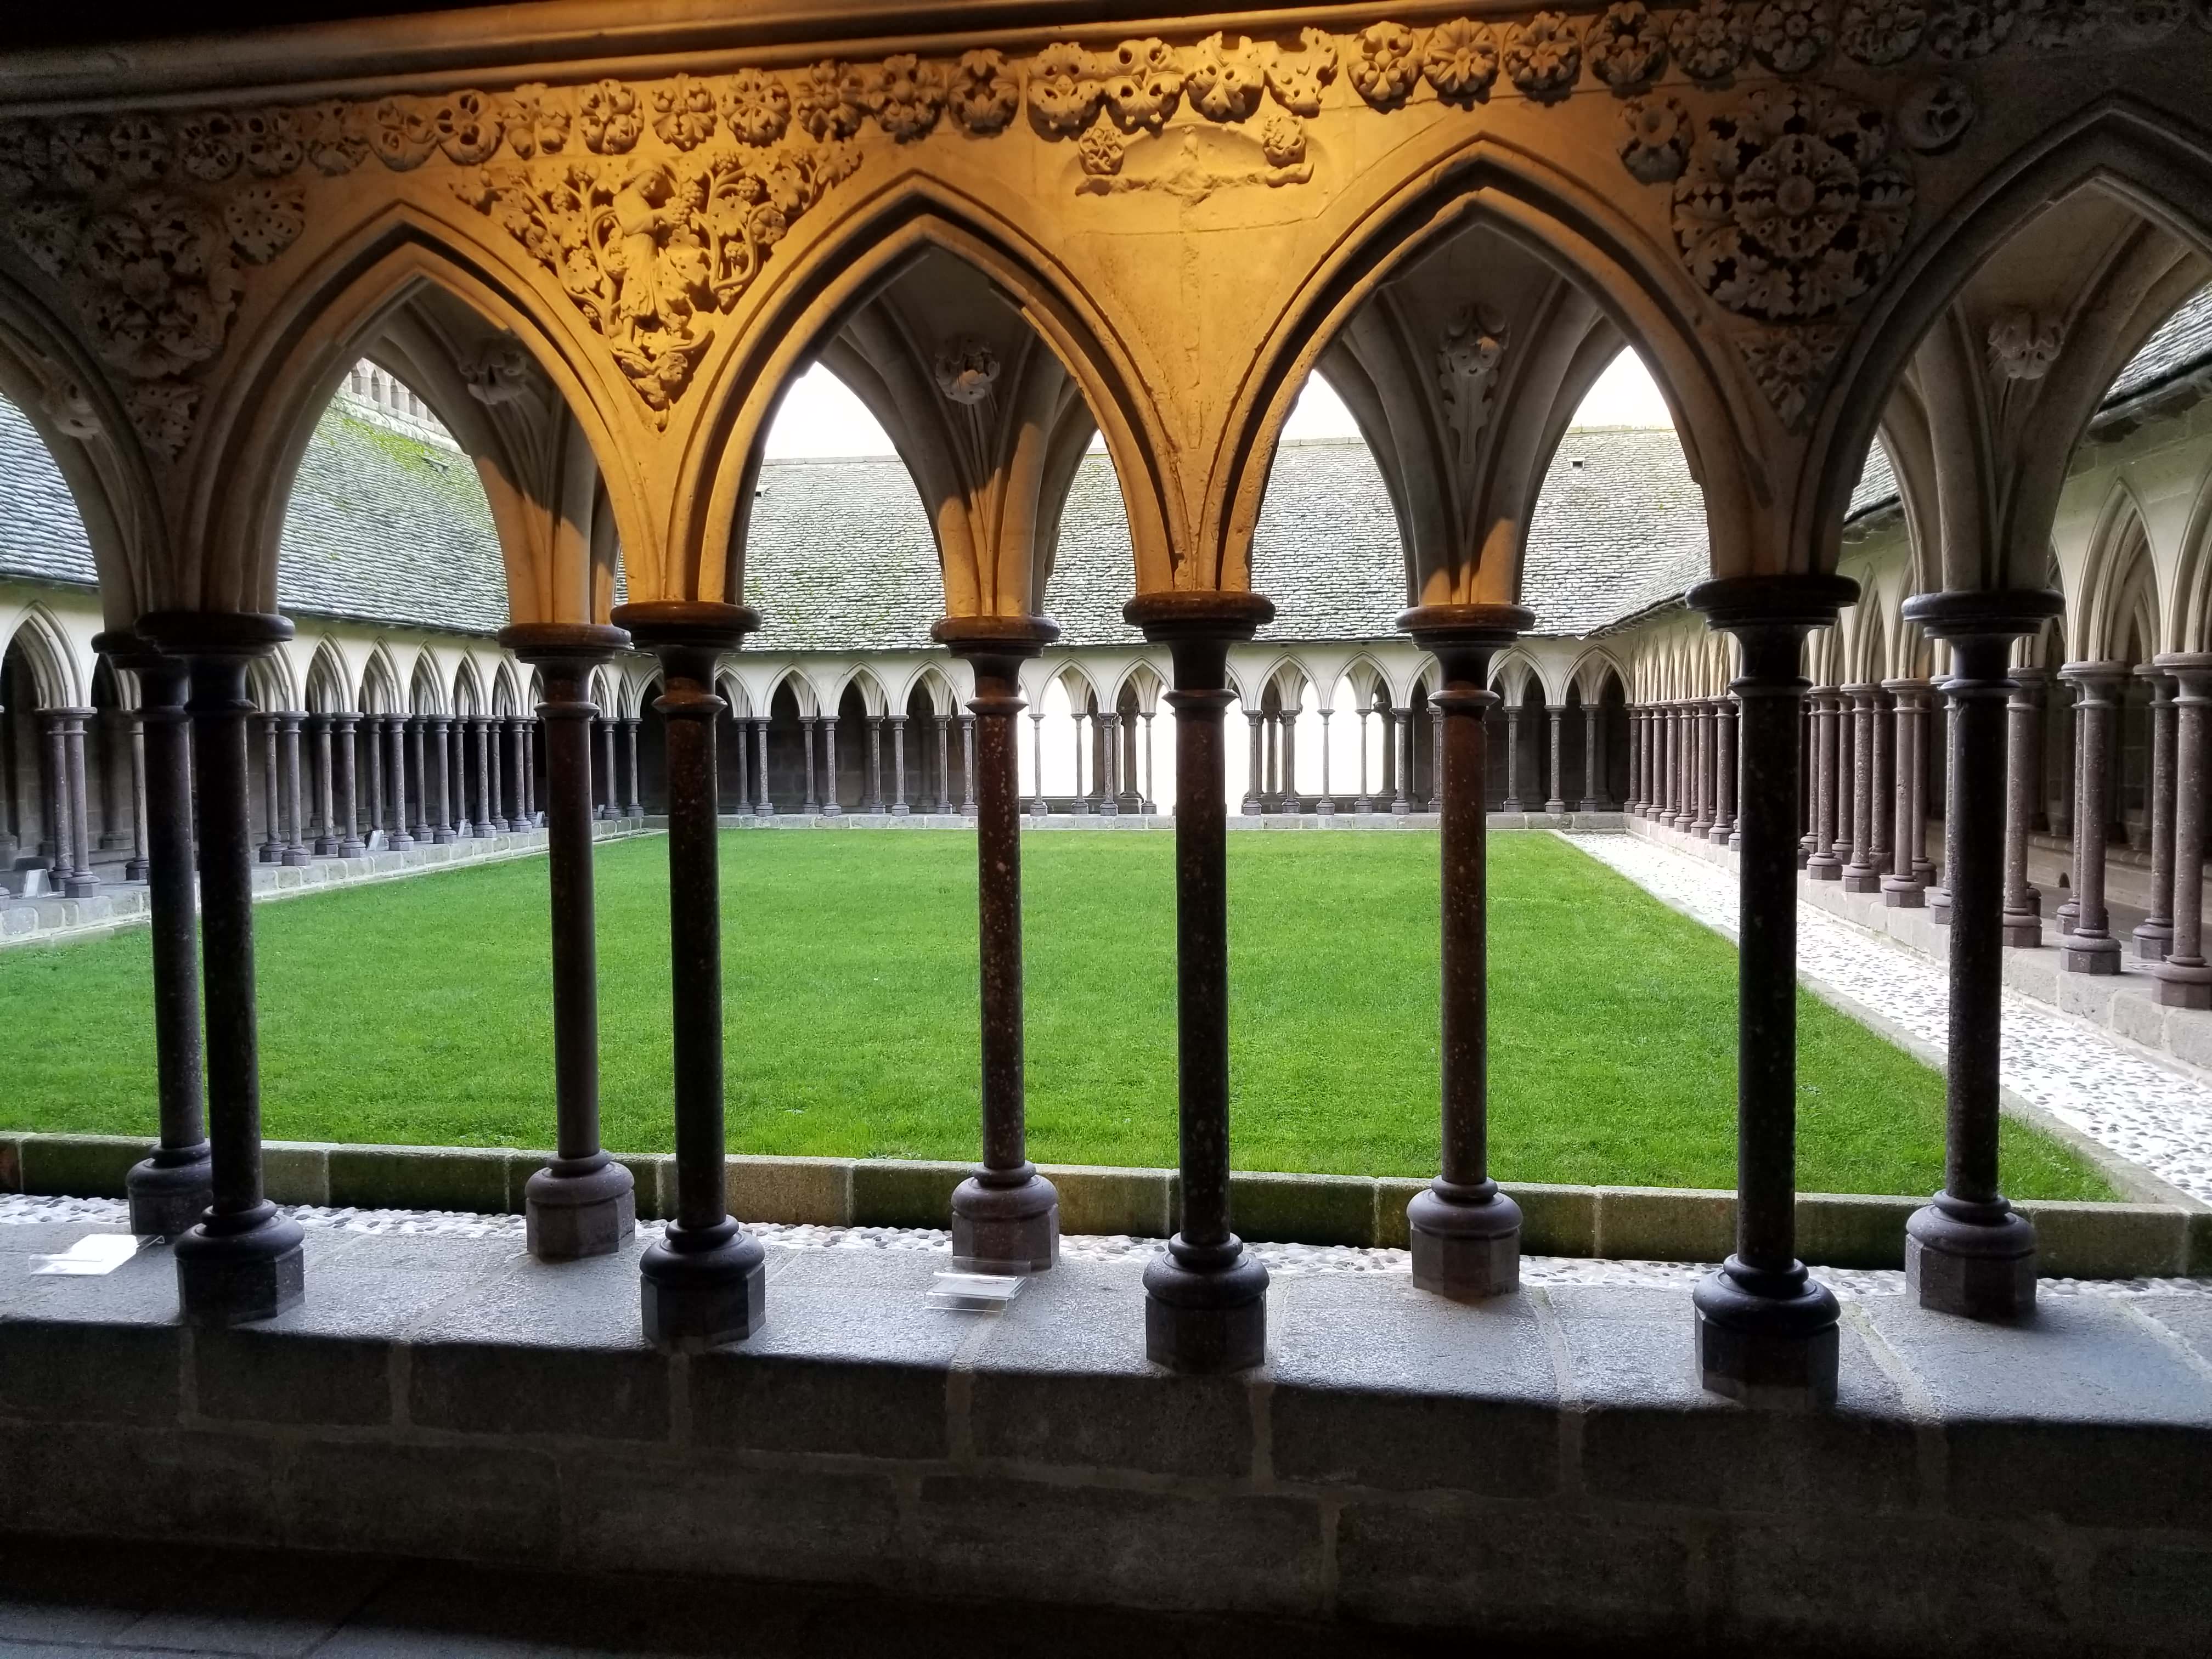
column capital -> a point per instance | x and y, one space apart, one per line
239 635
994 636
2191 671
1997 612
2090 679
1731 603
1198 627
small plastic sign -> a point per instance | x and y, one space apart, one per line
973 1292
93 1255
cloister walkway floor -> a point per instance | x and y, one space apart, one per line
2082 1076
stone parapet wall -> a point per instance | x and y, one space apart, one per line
1542 1468
1643 1223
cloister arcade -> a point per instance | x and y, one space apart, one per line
1952 229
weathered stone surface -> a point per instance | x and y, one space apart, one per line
11 1165
1303 1208
421 1178
295 1172
904 1193
2107 1241
816 1191
295 1377
1110 1201
1843 1230
69 1371
1556 1220
81 1166
486 1504
1658 1224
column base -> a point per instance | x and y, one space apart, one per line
1766 1339
398 841
901 809
1466 1245
1803 858
1365 809
580 1207
1860 878
1249 807
2090 953
2068 913
2183 984
170 1192
443 837
297 858
1558 809
2153 941
701 1287
1901 893
1325 808
1012 1229
1399 809
136 870
1923 872
1825 866
80 886
1509 804
352 847
253 1269
2022 930
1206 1308
1720 835
1939 906
324 846
1977 1260
269 854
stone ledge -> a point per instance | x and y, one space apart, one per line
47 920
1651 1223
1543 1467
1344 819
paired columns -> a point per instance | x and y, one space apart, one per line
243 1261
1765 1329
1204 1295
1006 1217
1465 1231
705 1283
583 1203
1968 1251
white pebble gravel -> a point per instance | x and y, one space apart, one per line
2088 1080
1285 1261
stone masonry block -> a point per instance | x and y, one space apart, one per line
1392 1194
79 1166
1556 1220
502 1389
460 1502
2088 996
2189 1037
2032 973
1653 1224
2135 1475
464 1178
262 1376
904 1193
2199 1226
87 1373
2137 1017
1303 1209
2108 1241
649 1173
109 1479
812 1191
1849 1229
296 1172
1111 1202
11 1165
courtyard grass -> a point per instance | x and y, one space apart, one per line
417 1011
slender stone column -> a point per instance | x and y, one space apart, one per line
872 771
1038 804
583 1203
1147 800
2089 947
1206 1295
326 790
1512 801
1326 806
1400 724
705 1284
518 744
2184 978
1723 832
806 746
136 866
764 807
2153 934
1701 768
487 822
1967 1251
2022 923
1555 803
1465 1232
967 766
440 773
944 806
1364 802
1765 1329
345 784
272 839
610 778
243 1261
168 1191
1825 865
295 847
634 807
429 793
1634 802
1670 776
1885 785
532 796
73 843
1109 773
899 808
1900 888
1592 801
1006 1217
1859 873
740 784
1252 805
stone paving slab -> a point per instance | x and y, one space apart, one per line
2086 1079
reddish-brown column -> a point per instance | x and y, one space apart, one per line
1766 1329
2088 947
1860 873
1006 1217
583 1203
168 1191
1204 1296
2153 934
1466 1233
705 1283
2185 979
1901 887
1968 1251
243 1261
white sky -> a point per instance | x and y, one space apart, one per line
820 417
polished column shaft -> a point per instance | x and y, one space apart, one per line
2088 947
2153 934
1901 887
2185 979
2022 920
1859 873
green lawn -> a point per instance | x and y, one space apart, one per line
417 1011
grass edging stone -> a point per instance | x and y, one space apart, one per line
2076 1241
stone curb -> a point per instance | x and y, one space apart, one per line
1654 1224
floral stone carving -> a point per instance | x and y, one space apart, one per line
1709 39
1626 46
1461 60
1935 114
1655 140
1791 36
1788 364
1879 32
1791 207
1543 56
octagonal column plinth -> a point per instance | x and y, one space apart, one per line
1765 1330
2087 947
706 1283
1006 1217
1465 1232
2184 978
1205 1296
169 1191
583 1203
1968 1251
242 1262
